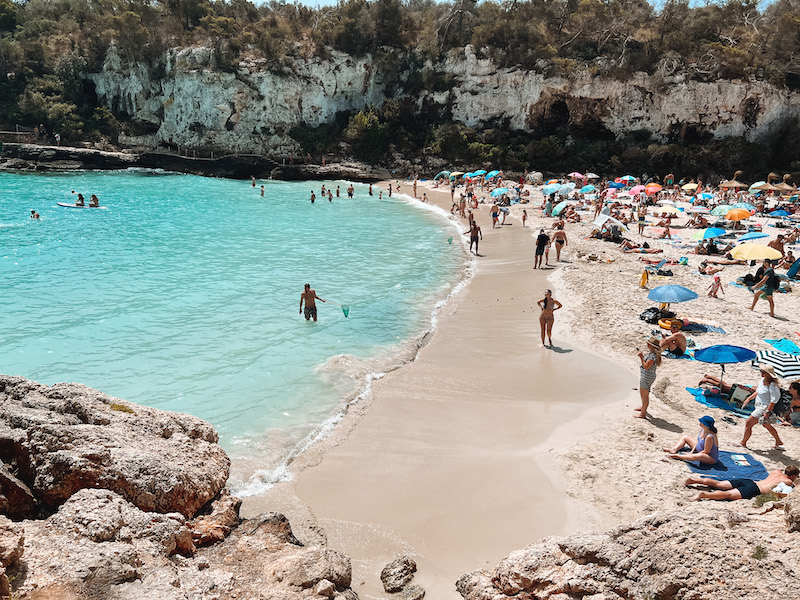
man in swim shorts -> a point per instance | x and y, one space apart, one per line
743 489
542 240
310 297
675 342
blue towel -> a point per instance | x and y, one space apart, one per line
730 466
785 345
701 328
688 355
717 402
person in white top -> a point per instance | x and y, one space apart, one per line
766 397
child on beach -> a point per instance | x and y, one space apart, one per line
647 374
715 287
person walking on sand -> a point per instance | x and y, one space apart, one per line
473 232
766 397
715 287
764 288
549 305
310 297
647 373
705 449
415 188
560 240
495 211
542 240
642 218
524 217
742 489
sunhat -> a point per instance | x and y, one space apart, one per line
708 423
767 369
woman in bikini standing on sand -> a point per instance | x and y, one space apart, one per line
549 305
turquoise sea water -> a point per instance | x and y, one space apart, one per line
184 294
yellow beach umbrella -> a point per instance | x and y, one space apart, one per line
689 187
666 208
456 174
754 252
737 214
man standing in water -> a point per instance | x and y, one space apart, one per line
310 297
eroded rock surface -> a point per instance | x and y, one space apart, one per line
705 552
67 437
398 573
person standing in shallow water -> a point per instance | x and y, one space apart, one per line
549 305
310 297
313 196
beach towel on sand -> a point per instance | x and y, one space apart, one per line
688 355
784 345
702 328
717 401
731 465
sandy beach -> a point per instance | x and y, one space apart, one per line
453 457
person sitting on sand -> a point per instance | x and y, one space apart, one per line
675 342
792 414
705 269
715 287
742 489
777 244
766 397
643 251
788 260
666 234
705 449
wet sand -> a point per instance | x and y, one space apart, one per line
449 460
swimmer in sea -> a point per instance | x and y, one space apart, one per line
549 305
313 197
370 189
262 191
310 297
34 214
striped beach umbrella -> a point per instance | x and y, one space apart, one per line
786 365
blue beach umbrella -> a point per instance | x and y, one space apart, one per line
721 210
708 233
492 174
745 206
481 172
551 188
724 355
705 196
588 189
566 189
753 235
779 213
442 174
559 207
670 294
499 192
616 185
756 187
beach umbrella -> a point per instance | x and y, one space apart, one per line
737 214
720 210
785 365
753 235
697 209
550 181
667 209
689 187
784 187
724 355
744 205
705 196
628 178
779 213
652 188
551 188
666 202
499 192
707 234
755 252
456 174
566 189
481 172
732 183
588 189
604 217
637 189
575 175
756 186
442 174
591 175
492 174
616 184
559 207
670 294
765 187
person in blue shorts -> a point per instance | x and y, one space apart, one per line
743 489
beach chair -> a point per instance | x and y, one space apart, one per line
653 269
791 274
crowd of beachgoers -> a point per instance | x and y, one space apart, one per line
722 357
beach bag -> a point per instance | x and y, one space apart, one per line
738 393
783 403
651 315
664 272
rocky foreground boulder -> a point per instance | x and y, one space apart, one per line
709 551
60 439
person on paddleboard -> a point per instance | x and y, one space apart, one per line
310 297
94 201
79 201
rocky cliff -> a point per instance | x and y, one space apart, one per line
187 102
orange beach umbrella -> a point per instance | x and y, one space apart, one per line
737 214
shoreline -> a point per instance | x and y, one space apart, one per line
342 491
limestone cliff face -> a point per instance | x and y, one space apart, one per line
252 109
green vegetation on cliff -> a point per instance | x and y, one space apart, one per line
48 46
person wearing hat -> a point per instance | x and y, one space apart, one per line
766 397
650 361
705 449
